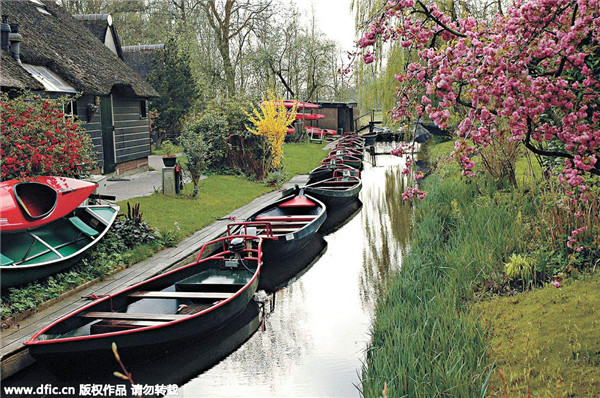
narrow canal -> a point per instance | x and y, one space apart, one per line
315 338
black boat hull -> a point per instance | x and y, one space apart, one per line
93 355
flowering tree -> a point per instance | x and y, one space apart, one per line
271 120
529 74
37 139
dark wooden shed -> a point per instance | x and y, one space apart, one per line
338 115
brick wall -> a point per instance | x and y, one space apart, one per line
132 166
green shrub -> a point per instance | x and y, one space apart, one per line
522 269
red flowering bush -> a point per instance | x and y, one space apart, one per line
37 139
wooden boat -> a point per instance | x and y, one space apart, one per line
344 150
335 192
37 253
348 158
339 194
30 204
326 169
369 138
286 227
169 309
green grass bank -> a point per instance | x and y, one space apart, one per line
443 328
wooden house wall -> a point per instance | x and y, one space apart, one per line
132 132
331 118
92 127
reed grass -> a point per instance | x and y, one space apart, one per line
423 342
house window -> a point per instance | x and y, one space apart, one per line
70 109
143 109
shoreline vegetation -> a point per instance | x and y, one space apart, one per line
452 323
167 220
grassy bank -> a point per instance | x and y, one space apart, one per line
540 338
423 344
440 329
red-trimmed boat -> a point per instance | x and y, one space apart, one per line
191 301
340 196
287 226
326 169
30 204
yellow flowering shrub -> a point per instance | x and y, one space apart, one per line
271 120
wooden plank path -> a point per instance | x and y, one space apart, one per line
15 355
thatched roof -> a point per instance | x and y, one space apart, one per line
139 58
54 39
13 76
98 24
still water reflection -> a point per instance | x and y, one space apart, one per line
315 339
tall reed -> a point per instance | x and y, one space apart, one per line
423 342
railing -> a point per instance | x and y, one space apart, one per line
225 249
245 224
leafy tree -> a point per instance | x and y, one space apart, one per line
171 76
37 139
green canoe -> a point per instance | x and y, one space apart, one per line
29 255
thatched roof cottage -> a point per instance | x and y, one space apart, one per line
64 57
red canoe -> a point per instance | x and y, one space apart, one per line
309 116
31 204
299 104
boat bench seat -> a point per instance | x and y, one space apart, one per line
183 295
83 227
4 261
133 316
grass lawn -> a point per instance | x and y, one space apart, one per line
218 195
540 337
301 158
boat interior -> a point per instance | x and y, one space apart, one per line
284 217
172 296
56 240
36 200
343 179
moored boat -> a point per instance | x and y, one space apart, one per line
195 300
348 158
369 138
339 194
326 169
286 226
30 204
37 253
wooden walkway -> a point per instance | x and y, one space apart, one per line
15 355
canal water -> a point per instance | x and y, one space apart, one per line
313 342
315 339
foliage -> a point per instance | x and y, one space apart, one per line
271 120
132 229
196 154
172 78
528 75
37 139
275 179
